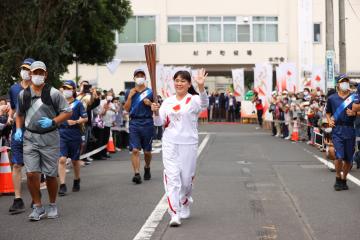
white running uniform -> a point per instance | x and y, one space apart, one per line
180 145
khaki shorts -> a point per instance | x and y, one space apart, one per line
42 152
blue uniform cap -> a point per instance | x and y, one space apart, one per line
69 84
341 78
27 63
139 70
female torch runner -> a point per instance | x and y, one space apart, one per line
179 116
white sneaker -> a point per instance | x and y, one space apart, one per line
175 221
185 212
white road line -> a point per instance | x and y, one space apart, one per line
331 165
157 214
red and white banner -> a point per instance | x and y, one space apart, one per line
286 76
318 77
263 76
238 82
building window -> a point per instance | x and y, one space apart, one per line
222 29
317 33
215 33
265 29
202 32
243 33
229 33
139 29
187 33
174 33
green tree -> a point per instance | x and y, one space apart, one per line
58 32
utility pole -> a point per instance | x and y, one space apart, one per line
329 5
330 49
342 43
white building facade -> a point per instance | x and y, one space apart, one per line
224 35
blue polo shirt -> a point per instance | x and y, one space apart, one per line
73 133
333 102
14 91
140 114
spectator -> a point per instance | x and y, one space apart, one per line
259 108
211 107
230 107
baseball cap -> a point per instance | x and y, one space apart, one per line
37 65
139 70
27 62
69 84
341 78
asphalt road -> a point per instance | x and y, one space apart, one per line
249 185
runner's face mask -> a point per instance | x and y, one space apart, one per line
344 86
140 81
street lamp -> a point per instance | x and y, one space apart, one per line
76 67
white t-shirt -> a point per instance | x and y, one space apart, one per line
231 102
180 118
109 117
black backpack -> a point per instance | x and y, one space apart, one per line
45 98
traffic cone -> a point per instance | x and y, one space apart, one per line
6 183
110 146
295 133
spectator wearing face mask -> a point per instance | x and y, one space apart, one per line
286 113
307 95
4 127
108 112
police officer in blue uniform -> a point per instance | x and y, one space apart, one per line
341 119
17 146
141 125
71 138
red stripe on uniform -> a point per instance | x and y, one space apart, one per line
171 208
167 122
168 199
188 100
185 201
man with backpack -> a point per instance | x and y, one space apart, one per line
41 108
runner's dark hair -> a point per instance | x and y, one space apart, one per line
186 75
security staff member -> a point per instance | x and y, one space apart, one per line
17 146
41 108
341 119
141 125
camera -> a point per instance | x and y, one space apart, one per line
87 88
